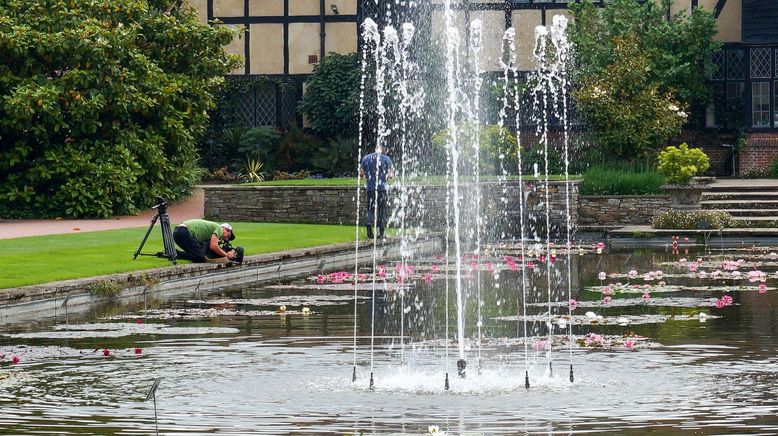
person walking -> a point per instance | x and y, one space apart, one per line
376 168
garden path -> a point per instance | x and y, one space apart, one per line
192 207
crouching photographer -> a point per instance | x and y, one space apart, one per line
207 241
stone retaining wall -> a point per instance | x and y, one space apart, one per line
427 205
619 210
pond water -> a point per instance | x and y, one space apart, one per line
671 361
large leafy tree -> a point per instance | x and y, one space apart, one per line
331 100
101 102
636 67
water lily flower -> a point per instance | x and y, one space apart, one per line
600 245
138 350
540 345
727 299
607 299
630 344
719 304
435 268
139 321
591 315
633 274
573 304
703 316
682 261
15 360
106 352
622 320
530 265
562 323
319 279
306 310
659 274
427 279
693 266
762 288
607 290
581 252
433 429
602 275
646 295
282 308
773 255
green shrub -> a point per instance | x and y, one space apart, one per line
680 164
497 151
338 158
295 151
774 168
708 219
607 180
102 104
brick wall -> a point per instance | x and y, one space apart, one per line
620 209
759 152
426 206
712 144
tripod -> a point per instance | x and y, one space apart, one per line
167 234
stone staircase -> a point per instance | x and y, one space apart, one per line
751 203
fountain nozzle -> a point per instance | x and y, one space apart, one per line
354 375
526 379
372 384
571 373
461 365
446 384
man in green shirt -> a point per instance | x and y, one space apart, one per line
200 241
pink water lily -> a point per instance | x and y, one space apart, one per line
573 304
607 299
427 278
602 275
630 344
540 345
763 288
435 268
633 274
15 360
646 295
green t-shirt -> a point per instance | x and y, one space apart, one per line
202 229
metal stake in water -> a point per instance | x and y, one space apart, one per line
153 395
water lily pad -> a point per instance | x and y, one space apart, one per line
116 330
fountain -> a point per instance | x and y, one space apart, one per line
400 102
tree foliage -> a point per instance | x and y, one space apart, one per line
331 100
636 67
101 102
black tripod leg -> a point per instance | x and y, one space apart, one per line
148 232
167 239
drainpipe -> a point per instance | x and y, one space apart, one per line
322 33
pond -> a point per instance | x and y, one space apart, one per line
664 350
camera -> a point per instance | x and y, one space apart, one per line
161 205
238 259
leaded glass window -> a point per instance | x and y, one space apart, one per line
736 65
760 63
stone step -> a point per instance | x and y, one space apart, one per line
739 204
749 212
732 195
741 185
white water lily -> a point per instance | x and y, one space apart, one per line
591 315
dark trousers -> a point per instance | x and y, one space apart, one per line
370 212
194 250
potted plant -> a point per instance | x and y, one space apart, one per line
680 165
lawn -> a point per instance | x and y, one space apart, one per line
429 180
43 259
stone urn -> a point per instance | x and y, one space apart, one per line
687 197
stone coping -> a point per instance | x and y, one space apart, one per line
113 285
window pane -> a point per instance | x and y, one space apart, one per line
775 103
760 62
736 65
760 104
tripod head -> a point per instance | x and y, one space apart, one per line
161 206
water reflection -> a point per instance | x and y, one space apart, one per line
291 373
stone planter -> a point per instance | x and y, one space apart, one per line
684 197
